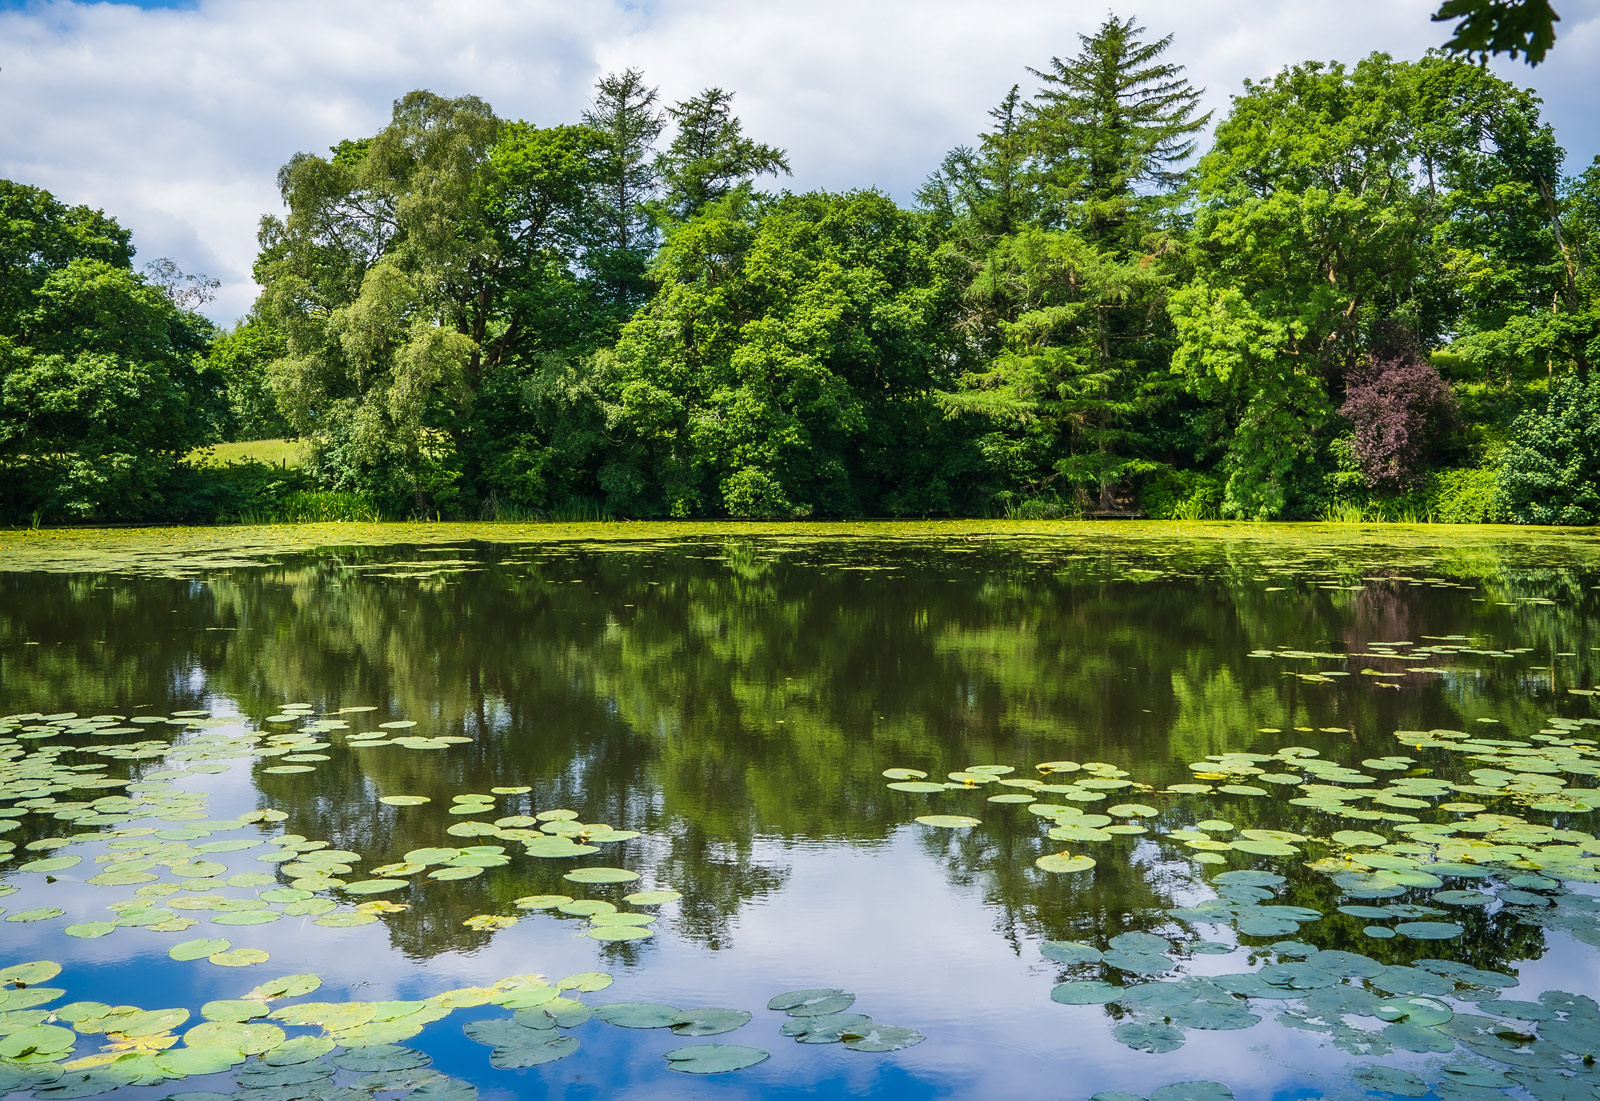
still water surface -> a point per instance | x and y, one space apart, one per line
734 699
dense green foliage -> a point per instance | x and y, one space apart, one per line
1372 294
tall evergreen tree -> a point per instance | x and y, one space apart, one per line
985 190
710 156
1111 128
625 114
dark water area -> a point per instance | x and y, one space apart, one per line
728 705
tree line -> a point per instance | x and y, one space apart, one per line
1370 292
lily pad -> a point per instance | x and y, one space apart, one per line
948 821
709 1022
713 1058
814 1002
601 875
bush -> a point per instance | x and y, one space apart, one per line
1182 495
1550 471
1465 497
1400 408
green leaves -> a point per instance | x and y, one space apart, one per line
713 1058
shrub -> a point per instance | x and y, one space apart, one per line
1400 409
1550 471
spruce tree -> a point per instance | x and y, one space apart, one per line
1111 129
710 156
625 116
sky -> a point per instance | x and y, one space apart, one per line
174 115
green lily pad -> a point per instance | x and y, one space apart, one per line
618 932
1193 1091
1088 992
709 1022
813 1002
29 974
882 1038
289 986
638 1014
199 948
515 1046
375 886
233 1010
1152 1037
600 875
651 898
37 1040
1428 930
946 822
904 774
713 1058
1401 1083
1069 952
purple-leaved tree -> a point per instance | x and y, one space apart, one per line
1400 408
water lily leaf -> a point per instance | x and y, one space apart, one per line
1415 1037
541 902
713 1058
1193 1091
1069 952
515 1046
1428 930
289 986
37 1040
601 875
186 1062
556 1013
380 1058
883 1038
1090 992
375 886
618 932
814 1002
587 907
1155 1038
234 1010
444 1089
947 822
585 981
297 1051
245 1038
239 957
29 974
1063 863
1393 1080
651 898
638 1014
709 1022
88 930
904 774
199 948
830 1028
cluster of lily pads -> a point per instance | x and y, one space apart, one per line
160 846
819 1016
271 1050
1452 852
168 857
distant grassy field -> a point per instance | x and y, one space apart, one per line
277 452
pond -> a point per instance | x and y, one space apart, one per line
894 811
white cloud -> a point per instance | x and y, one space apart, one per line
175 121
